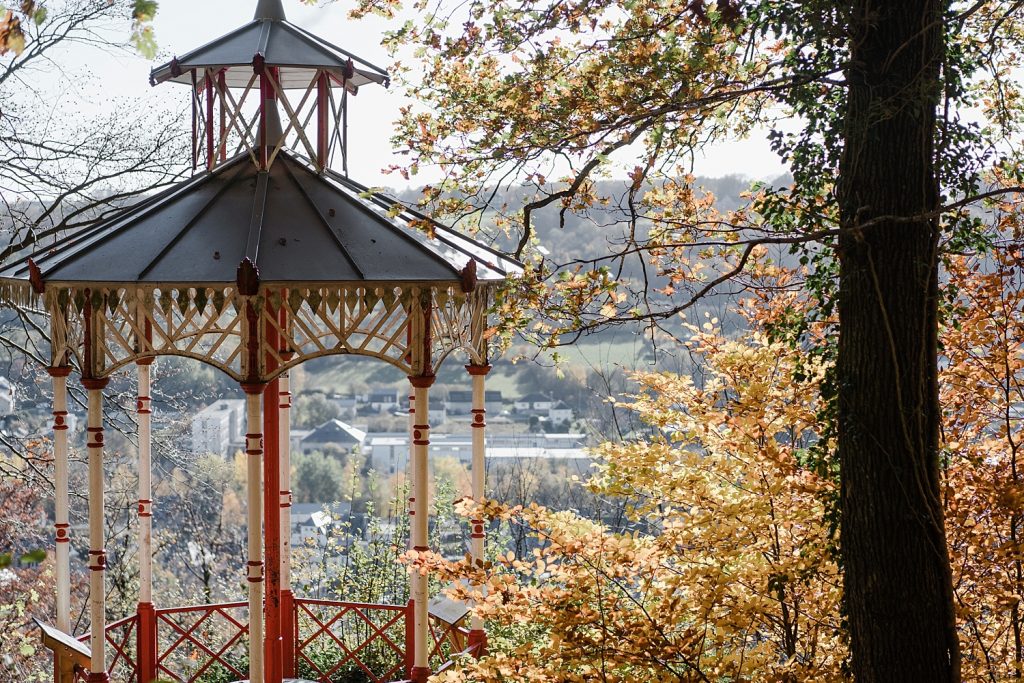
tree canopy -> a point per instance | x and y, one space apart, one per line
904 153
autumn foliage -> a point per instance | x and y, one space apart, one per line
728 570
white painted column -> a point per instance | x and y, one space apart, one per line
62 524
254 454
478 374
144 414
420 519
410 482
97 553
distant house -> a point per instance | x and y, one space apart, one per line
437 413
347 405
384 400
560 412
333 433
461 402
311 522
534 404
7 395
217 426
388 453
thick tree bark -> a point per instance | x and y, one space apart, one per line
896 565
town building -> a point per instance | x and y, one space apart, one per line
533 404
217 428
461 402
7 396
333 433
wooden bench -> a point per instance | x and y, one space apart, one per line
71 656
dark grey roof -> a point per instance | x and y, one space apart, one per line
335 431
459 396
281 44
291 223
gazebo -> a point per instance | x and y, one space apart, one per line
264 258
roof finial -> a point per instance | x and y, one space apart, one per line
269 9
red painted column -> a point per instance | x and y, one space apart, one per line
273 642
211 151
288 616
322 128
222 87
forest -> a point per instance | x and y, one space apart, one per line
822 481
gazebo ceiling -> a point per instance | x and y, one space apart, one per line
280 44
293 224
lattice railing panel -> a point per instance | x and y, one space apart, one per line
121 648
446 642
339 639
206 642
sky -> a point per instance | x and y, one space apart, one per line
123 81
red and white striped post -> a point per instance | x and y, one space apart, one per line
97 553
146 628
478 373
62 525
420 516
254 565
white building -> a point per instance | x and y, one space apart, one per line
7 395
560 412
312 522
534 404
217 428
384 400
389 453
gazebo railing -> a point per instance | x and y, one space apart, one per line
202 643
332 637
121 643
333 640
450 641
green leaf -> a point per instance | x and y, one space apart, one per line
33 556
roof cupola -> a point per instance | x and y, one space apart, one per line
269 67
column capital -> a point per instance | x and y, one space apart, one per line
253 388
145 360
59 371
475 370
95 383
422 381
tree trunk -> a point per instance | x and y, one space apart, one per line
897 577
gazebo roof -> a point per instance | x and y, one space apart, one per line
281 44
292 224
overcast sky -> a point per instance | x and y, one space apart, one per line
182 25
